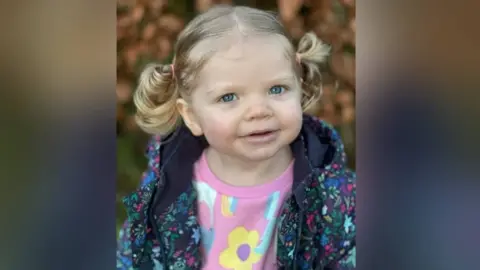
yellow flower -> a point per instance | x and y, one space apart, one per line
240 254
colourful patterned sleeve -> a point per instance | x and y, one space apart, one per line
340 242
124 253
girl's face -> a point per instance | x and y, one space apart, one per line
247 100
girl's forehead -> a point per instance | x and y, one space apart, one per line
248 63
235 46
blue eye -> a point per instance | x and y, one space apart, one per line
277 89
228 98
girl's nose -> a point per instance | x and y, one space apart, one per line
258 110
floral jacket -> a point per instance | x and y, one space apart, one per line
316 227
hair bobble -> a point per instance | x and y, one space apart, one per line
172 70
298 58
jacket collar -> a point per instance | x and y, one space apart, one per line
312 149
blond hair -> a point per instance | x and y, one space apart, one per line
161 85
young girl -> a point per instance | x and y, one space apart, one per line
238 177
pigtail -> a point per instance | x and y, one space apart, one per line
311 52
155 100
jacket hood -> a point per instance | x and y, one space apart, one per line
317 147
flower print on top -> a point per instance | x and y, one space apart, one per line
206 197
240 254
273 203
244 219
229 204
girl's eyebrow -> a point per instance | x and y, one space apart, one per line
221 87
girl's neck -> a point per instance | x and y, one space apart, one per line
240 172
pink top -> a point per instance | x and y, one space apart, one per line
239 223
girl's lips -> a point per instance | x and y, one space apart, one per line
260 133
262 137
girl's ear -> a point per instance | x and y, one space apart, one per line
189 117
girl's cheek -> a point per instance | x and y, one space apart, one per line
292 108
217 126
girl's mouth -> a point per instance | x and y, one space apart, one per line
261 137
261 133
